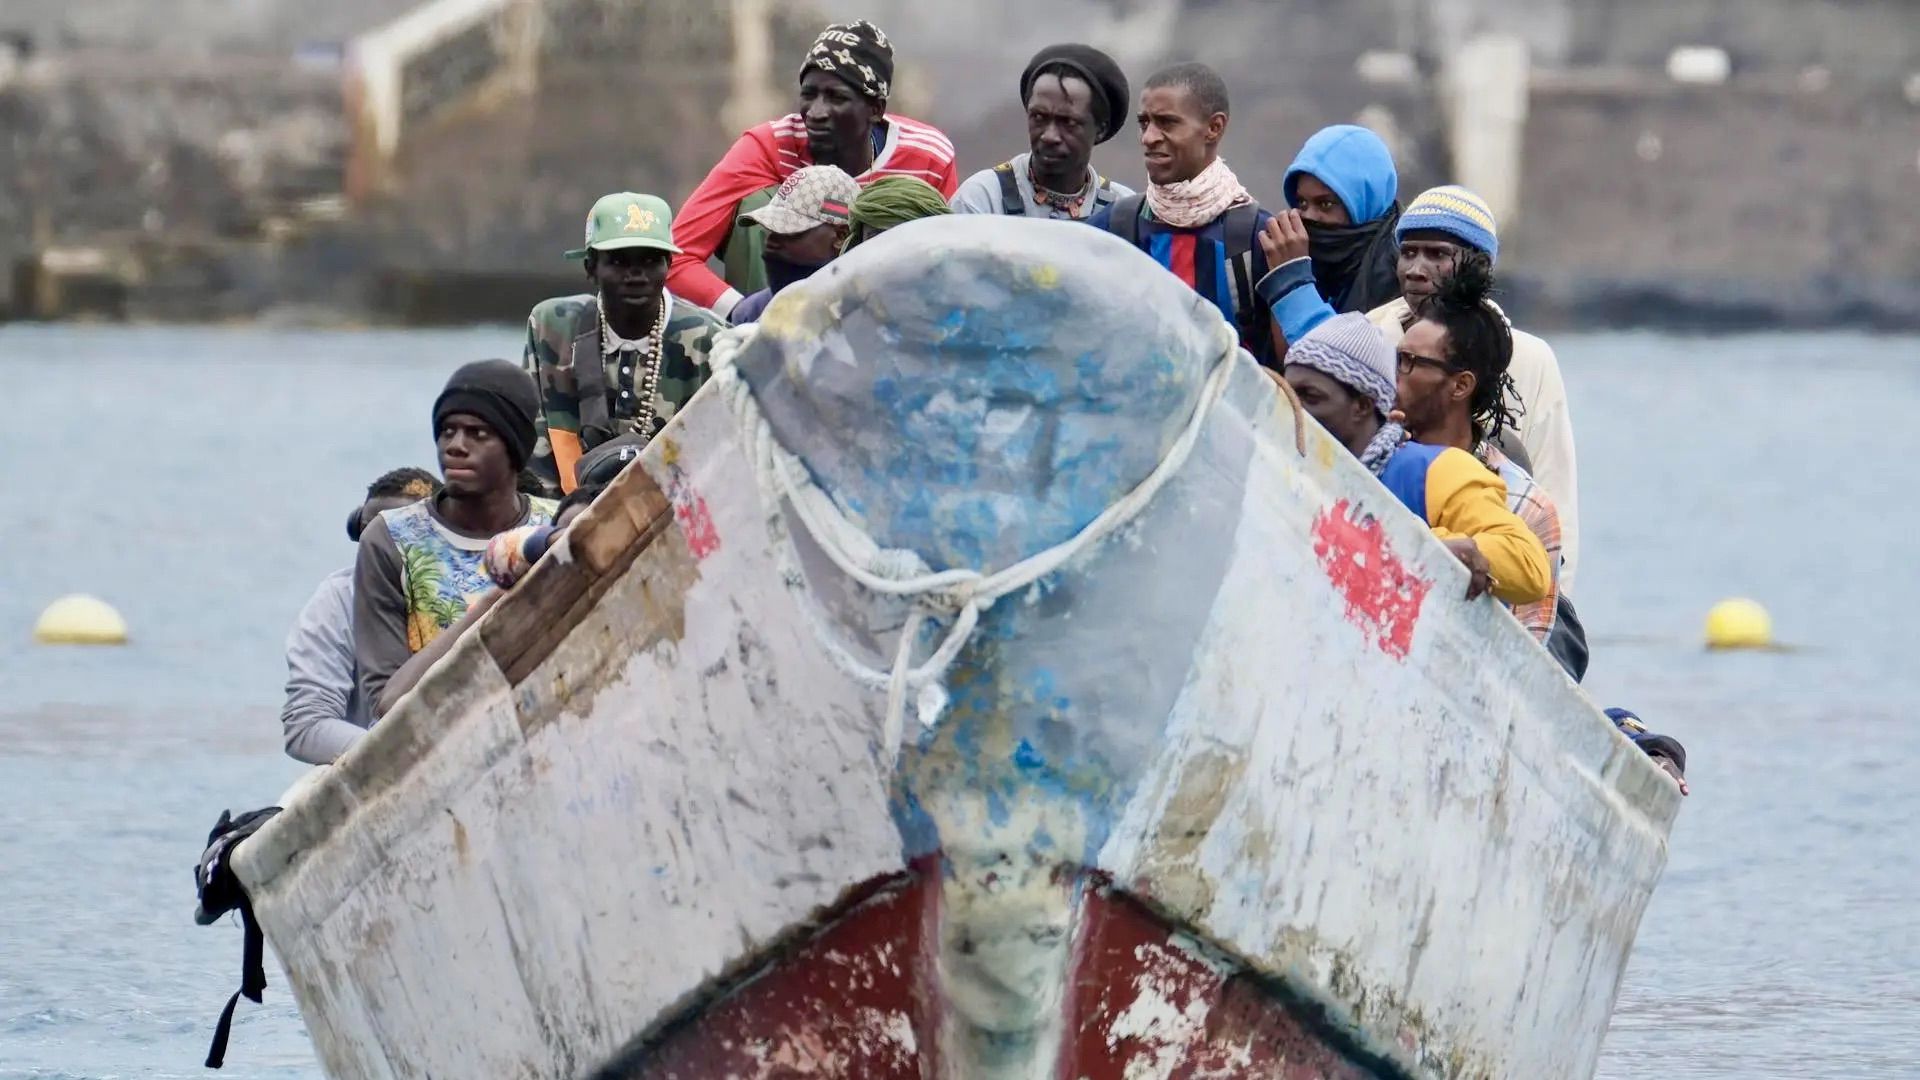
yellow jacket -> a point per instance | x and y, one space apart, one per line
1461 498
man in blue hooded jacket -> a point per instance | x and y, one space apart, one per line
1333 250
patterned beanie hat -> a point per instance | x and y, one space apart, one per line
1455 211
1349 350
856 52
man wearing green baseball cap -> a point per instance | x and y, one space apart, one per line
623 358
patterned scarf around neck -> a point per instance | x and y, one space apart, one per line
1384 443
1193 203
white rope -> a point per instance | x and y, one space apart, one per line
963 595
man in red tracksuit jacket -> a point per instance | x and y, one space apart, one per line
842 121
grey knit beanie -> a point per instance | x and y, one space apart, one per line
1351 351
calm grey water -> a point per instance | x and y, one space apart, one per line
198 479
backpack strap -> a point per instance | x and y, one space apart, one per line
1239 228
1567 641
1124 220
1508 443
1102 195
590 376
1240 231
1012 203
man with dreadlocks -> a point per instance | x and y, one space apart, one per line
325 712
623 358
845 82
1076 98
1343 373
1454 390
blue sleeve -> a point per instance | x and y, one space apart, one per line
750 308
1102 218
1290 292
537 542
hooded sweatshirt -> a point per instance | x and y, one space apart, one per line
1351 267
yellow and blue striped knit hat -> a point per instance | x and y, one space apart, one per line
1455 211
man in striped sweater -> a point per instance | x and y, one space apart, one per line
843 121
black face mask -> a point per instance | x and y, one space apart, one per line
782 271
1354 266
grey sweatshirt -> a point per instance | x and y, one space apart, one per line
324 712
981 194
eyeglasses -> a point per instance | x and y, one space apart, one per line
1408 361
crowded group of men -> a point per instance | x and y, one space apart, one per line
1376 316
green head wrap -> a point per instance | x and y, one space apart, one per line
891 201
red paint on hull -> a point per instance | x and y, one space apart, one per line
690 510
855 1000
1382 595
1146 1000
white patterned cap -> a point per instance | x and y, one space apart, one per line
814 196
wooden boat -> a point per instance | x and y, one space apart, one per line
1224 777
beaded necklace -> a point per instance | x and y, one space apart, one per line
1068 204
646 418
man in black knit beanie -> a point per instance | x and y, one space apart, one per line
421 566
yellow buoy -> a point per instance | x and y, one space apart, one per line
80 620
1739 624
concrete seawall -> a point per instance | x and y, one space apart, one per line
1768 200
171 173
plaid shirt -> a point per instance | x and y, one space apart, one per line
1531 503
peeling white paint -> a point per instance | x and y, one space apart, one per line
893 1027
648 836
1155 1019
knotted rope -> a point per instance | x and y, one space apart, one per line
962 595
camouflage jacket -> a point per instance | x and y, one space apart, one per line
565 358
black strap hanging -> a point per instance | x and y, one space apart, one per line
253 981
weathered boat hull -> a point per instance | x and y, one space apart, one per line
1245 790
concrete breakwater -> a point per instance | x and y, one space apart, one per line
211 181
145 186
